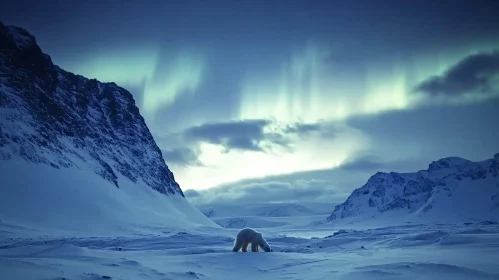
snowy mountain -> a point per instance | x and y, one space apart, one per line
60 128
266 209
49 115
450 189
266 215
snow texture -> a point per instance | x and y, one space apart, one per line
39 199
450 189
354 252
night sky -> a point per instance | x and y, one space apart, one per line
280 100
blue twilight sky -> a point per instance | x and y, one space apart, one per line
291 99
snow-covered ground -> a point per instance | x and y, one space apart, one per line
318 251
39 199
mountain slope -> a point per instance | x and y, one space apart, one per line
49 114
51 118
451 188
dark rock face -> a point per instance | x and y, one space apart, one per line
50 116
411 192
447 162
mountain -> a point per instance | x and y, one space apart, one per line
265 209
64 124
451 188
293 215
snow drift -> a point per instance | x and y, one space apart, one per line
75 153
450 189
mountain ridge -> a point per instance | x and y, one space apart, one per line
54 117
448 182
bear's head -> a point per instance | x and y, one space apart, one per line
267 248
263 244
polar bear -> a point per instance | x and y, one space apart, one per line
247 236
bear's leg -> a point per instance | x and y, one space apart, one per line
245 247
237 246
254 247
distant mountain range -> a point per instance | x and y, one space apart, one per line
265 215
266 209
451 188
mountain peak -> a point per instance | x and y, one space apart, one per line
448 162
17 36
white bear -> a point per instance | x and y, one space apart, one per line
247 236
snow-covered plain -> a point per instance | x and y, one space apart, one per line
305 247
395 252
404 252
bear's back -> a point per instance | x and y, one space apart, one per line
246 232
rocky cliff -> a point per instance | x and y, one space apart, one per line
53 117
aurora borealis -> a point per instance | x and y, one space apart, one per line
243 90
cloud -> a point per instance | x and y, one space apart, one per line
364 163
399 141
428 133
370 164
475 74
330 185
303 128
267 192
181 156
253 149
254 135
239 135
192 193
321 129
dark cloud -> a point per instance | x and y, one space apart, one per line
369 164
279 139
181 156
267 192
248 135
243 143
238 135
477 73
364 163
191 193
428 133
303 128
251 135
321 128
